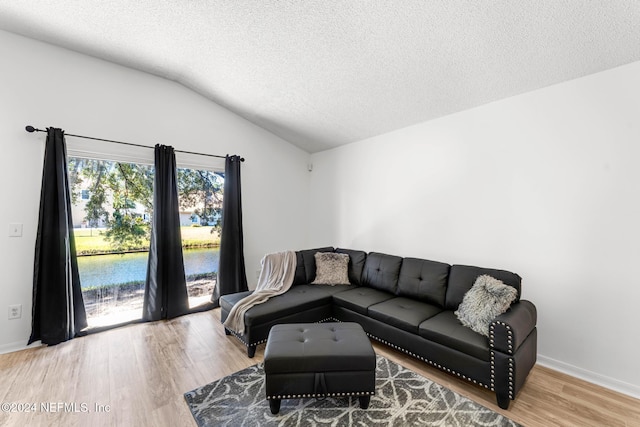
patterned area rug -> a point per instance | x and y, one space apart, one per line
403 398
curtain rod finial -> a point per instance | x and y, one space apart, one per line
30 129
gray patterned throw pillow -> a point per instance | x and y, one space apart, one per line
331 269
487 299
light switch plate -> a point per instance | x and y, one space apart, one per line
15 311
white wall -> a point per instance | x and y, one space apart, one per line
42 85
546 184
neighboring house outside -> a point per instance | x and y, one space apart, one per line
79 215
189 218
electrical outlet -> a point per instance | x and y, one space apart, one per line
15 311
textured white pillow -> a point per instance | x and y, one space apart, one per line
331 269
487 299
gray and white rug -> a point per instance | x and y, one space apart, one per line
403 398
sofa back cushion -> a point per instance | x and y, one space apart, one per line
356 264
423 280
462 278
381 272
306 265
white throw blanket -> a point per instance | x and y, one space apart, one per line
276 277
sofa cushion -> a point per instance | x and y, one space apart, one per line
356 264
423 280
331 269
487 299
360 298
403 313
381 272
462 278
306 265
228 301
298 298
445 328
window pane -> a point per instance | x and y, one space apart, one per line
200 194
112 204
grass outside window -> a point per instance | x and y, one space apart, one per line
91 241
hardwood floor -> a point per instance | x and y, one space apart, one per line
136 376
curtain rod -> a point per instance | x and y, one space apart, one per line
31 129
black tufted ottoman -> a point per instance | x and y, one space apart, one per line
318 360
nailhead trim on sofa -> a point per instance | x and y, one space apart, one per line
417 356
241 338
509 347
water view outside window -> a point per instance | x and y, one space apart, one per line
112 211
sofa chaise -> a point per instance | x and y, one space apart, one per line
408 304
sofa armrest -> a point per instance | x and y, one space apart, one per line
509 330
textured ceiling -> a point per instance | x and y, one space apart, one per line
322 73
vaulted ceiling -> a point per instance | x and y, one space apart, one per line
323 73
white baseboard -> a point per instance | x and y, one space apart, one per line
592 377
17 346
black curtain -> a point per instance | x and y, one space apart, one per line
165 294
232 277
58 313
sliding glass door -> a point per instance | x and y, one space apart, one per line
112 208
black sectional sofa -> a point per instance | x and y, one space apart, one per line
408 304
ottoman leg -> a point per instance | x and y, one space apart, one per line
227 332
274 405
364 401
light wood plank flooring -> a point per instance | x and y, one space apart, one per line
141 372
